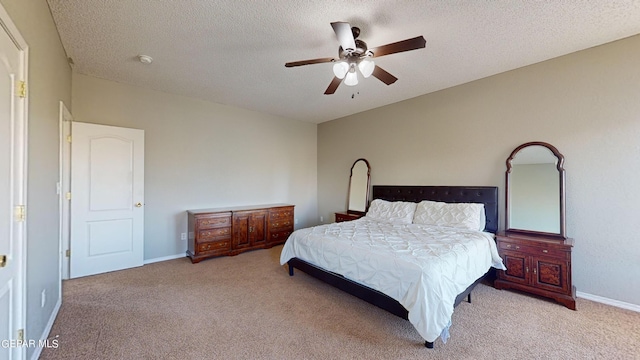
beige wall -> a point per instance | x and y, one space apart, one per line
587 104
200 155
49 82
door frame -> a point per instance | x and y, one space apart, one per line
20 166
64 188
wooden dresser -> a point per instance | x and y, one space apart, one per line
232 230
538 265
346 216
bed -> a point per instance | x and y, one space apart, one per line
405 256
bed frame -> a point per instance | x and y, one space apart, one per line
488 195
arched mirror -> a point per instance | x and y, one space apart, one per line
535 196
358 198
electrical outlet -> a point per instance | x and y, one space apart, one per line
295 222
43 297
183 236
321 218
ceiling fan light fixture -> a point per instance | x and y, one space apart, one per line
340 69
352 78
366 67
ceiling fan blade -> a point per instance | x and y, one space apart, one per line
400 46
309 62
344 35
333 86
383 75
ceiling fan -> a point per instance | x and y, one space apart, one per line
353 53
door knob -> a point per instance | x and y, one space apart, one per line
138 204
3 261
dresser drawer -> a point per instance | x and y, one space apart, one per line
278 214
341 216
285 223
214 234
279 236
224 245
211 222
533 250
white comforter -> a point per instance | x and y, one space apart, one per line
424 268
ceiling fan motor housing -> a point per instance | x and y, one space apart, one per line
355 31
358 52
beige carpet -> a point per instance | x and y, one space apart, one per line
247 307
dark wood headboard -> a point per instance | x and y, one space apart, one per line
487 195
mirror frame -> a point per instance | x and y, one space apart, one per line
366 205
561 175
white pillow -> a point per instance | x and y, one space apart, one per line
396 212
457 215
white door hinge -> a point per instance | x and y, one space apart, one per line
68 253
22 89
19 213
69 139
67 196
21 335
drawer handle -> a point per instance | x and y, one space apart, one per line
545 251
526 269
208 246
509 246
517 247
275 236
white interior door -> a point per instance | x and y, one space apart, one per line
12 189
107 198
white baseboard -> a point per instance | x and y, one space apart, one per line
164 258
607 301
47 329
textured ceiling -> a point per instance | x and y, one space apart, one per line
233 52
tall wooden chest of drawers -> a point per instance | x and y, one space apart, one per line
232 230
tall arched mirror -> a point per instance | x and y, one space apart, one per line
359 183
535 196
